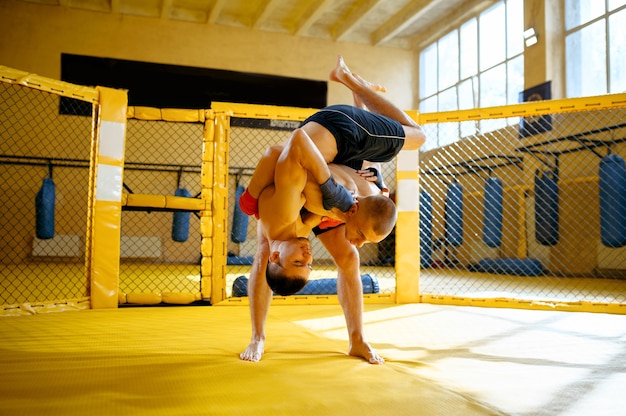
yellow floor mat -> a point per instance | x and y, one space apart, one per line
184 361
441 360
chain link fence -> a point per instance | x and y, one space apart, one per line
160 249
531 209
44 171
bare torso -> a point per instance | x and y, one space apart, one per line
276 228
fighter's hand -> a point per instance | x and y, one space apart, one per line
372 174
335 195
367 174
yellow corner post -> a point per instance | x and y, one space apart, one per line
215 194
220 207
105 186
206 215
407 227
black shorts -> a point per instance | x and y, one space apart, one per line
317 230
360 134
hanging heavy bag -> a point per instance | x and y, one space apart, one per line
180 223
44 210
239 230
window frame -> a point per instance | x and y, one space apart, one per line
474 78
577 29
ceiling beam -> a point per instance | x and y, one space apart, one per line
311 16
215 11
115 6
398 22
264 11
447 23
347 24
166 6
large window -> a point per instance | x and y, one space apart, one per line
595 47
478 64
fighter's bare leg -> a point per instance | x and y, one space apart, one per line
368 95
358 102
377 103
371 85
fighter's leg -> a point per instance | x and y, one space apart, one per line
371 85
378 104
358 102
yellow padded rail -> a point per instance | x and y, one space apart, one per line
15 76
166 114
582 306
271 112
263 111
163 202
533 108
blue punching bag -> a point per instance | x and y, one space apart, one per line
180 224
239 230
314 287
492 226
613 201
426 229
44 210
546 208
454 215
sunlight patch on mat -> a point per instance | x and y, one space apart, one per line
550 346
607 399
598 324
510 387
411 331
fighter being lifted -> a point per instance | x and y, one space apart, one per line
296 175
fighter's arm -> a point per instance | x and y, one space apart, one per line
263 175
301 152
301 155
350 291
260 297
291 176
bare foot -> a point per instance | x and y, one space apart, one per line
254 352
341 71
342 74
365 351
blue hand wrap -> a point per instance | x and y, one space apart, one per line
334 195
379 178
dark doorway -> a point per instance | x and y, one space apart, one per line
173 86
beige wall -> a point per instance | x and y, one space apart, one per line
34 36
544 61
